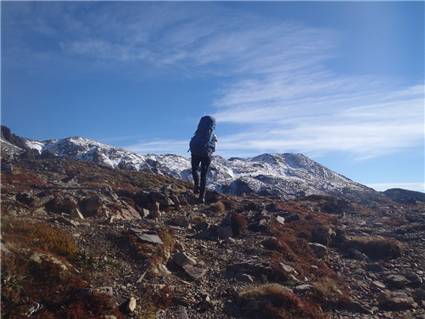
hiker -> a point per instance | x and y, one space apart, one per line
202 145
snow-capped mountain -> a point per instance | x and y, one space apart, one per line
285 175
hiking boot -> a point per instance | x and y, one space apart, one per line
196 189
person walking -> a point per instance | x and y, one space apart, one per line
202 146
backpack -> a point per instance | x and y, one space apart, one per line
201 143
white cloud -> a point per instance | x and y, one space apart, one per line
277 83
159 146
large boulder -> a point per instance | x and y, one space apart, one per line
61 204
91 206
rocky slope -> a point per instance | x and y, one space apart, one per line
81 240
282 175
404 196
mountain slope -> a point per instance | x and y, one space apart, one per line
284 175
404 196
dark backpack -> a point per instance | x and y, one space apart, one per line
201 143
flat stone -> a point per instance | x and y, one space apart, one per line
378 284
288 268
150 238
303 288
194 272
181 259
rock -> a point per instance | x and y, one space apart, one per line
144 213
378 284
25 198
288 269
179 220
414 279
107 290
146 237
280 220
322 235
300 289
271 243
318 249
156 212
132 304
396 281
375 267
290 217
150 238
181 259
60 204
244 278
224 232
91 206
40 257
396 301
419 294
194 272
354 253
76 214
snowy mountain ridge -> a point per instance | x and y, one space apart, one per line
284 175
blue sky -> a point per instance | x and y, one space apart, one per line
340 82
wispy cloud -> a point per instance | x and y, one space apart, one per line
160 147
278 89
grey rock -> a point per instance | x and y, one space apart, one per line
194 272
378 284
181 259
396 281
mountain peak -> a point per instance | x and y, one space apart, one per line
283 174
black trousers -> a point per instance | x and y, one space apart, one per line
205 162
